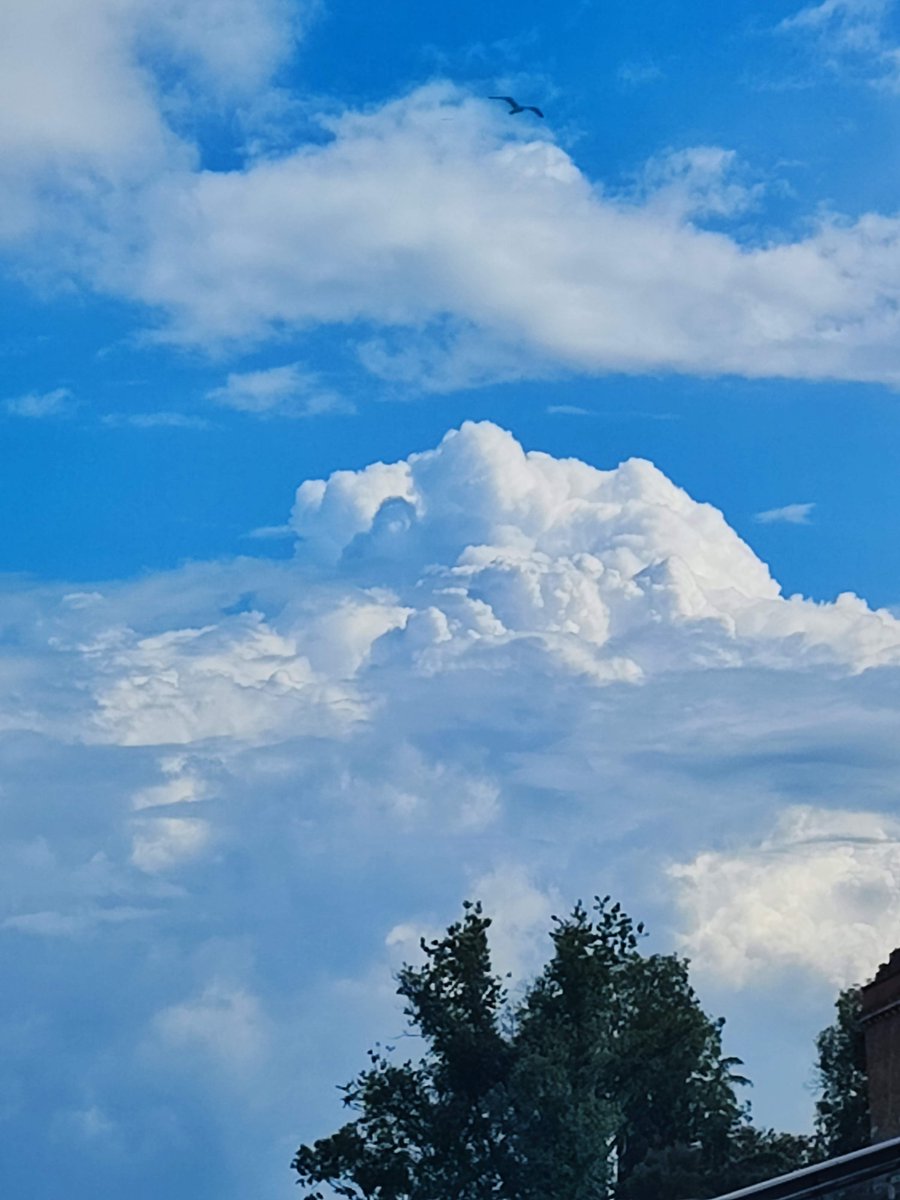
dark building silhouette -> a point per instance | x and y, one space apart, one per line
873 1173
881 1023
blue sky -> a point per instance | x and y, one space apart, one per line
255 739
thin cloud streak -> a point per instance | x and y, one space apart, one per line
38 406
789 514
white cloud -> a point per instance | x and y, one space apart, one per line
240 679
532 544
161 843
82 110
568 410
287 390
504 259
500 259
484 673
72 924
820 893
521 917
700 181
789 514
37 405
855 18
181 786
234 46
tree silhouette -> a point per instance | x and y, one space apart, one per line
842 1110
606 1080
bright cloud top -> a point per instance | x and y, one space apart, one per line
537 544
469 557
458 553
452 559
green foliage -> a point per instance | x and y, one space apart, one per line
434 1128
607 1080
752 1155
842 1111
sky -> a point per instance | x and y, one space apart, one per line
407 501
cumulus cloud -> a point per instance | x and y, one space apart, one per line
498 259
568 276
594 559
485 673
788 514
521 914
242 678
821 892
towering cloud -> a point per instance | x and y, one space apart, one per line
485 671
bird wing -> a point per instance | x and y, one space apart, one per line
534 110
508 99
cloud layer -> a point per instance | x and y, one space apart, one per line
236 792
497 246
457 246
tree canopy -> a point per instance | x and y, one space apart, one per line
605 1080
842 1110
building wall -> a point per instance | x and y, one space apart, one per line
881 1022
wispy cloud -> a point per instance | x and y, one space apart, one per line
788 514
852 24
267 533
852 37
40 405
568 410
157 420
287 391
638 74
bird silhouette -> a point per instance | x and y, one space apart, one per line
516 107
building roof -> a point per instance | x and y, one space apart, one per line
878 1162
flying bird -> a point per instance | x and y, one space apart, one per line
516 107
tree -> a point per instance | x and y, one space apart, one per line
842 1110
657 1056
606 1080
433 1128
